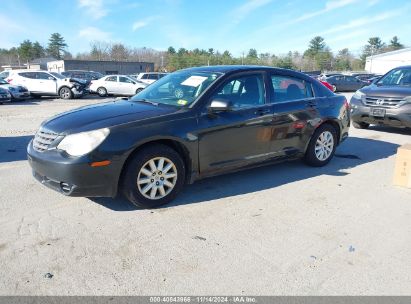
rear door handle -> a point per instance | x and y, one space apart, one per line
262 112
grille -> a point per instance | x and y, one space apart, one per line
384 102
43 139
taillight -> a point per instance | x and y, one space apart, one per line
346 105
9 80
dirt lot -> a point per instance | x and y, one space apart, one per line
284 229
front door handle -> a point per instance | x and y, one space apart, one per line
262 112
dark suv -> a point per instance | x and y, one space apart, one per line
186 126
385 102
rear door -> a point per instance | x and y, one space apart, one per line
295 114
111 84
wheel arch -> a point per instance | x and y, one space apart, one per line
176 145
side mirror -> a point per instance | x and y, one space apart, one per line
52 78
219 105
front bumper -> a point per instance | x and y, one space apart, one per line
21 95
5 97
73 176
394 117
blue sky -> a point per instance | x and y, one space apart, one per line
274 26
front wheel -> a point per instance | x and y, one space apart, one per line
154 176
66 93
322 146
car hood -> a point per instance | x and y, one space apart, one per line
104 115
387 91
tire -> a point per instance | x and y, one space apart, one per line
140 175
65 93
139 90
102 92
334 88
360 125
317 154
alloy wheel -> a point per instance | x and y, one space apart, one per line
157 178
324 146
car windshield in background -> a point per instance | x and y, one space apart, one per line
178 89
398 77
57 75
2 81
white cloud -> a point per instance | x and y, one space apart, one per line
247 8
329 6
93 33
142 23
361 22
95 8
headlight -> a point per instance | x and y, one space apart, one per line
83 143
359 95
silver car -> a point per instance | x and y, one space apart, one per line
16 92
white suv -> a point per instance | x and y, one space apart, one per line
151 77
43 83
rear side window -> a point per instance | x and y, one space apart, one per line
286 88
28 75
111 78
145 76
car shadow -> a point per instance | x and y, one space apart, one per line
353 152
392 130
14 148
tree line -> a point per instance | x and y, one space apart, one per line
317 56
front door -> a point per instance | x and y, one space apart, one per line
45 83
241 135
126 86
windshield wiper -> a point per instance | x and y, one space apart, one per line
145 101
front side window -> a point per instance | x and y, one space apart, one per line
243 92
125 79
111 78
286 88
179 88
398 77
42 76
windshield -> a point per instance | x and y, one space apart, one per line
178 89
2 81
57 75
397 77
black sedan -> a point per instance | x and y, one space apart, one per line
342 83
186 126
5 96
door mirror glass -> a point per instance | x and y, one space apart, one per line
51 78
219 105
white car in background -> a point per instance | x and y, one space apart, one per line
149 77
16 92
44 83
116 85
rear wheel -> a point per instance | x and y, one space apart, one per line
139 90
360 125
154 176
102 92
322 146
66 93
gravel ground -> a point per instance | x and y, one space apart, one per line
285 229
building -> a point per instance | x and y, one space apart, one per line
382 63
104 67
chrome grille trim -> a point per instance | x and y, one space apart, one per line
43 139
384 102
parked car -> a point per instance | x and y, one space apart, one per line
150 77
116 85
4 74
363 77
384 102
5 95
190 124
342 83
16 92
43 83
327 85
79 74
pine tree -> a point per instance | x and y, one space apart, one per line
56 46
